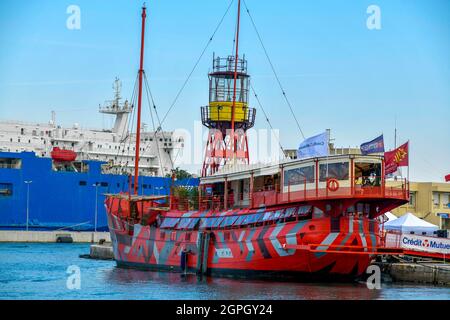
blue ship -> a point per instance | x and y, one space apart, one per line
65 199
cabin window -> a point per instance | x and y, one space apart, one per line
318 213
290 212
169 222
6 189
267 216
228 221
193 223
367 174
82 183
173 236
184 222
299 176
104 184
187 236
240 220
162 235
226 236
10 163
304 210
217 222
338 170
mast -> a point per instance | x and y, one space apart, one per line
233 142
138 126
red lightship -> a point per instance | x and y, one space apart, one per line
313 217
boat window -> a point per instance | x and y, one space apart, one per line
217 222
289 212
184 222
279 213
252 218
367 174
10 163
6 189
228 221
169 222
203 222
259 217
304 210
239 221
193 223
318 213
299 176
210 222
267 216
337 171
276 215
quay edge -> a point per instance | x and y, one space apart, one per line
53 236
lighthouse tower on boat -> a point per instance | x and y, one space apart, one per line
228 115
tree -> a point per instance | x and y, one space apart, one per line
179 174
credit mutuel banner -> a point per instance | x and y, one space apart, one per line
426 244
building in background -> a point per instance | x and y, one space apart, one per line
428 201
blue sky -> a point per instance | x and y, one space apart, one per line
337 73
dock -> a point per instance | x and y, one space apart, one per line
418 272
54 236
101 252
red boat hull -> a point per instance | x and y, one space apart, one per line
317 246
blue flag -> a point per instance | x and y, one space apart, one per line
374 146
316 146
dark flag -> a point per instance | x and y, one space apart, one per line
374 146
396 158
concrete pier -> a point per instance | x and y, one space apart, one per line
424 272
53 236
101 252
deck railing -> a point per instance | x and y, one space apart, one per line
304 192
272 195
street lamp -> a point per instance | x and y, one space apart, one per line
28 182
159 190
96 205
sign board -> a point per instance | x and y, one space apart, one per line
426 244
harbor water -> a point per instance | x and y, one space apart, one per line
44 271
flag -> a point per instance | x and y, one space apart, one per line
447 178
396 158
374 146
316 146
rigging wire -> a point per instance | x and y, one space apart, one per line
150 96
197 62
273 70
267 118
123 138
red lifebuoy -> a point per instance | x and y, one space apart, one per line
332 185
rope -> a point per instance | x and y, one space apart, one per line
149 94
273 70
197 62
265 115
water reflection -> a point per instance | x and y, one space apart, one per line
191 286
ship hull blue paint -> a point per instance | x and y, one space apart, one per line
64 199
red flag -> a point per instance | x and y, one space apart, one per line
447 178
396 158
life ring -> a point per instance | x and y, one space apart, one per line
332 185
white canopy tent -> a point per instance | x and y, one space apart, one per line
409 223
390 216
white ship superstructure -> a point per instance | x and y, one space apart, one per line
115 146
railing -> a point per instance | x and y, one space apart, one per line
272 195
311 191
